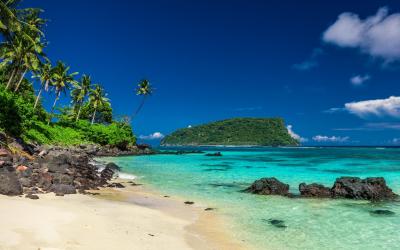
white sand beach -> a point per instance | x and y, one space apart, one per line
130 218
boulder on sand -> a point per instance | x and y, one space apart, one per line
9 183
373 188
62 189
314 190
268 186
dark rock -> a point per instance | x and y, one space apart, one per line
106 174
268 186
214 154
9 183
209 209
63 189
32 196
373 188
116 185
314 190
189 202
382 212
113 166
277 223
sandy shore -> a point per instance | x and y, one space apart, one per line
130 218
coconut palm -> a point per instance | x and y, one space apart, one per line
62 80
80 92
97 98
143 89
45 75
9 22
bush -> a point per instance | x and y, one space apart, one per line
16 112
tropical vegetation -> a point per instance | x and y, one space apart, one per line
237 131
24 64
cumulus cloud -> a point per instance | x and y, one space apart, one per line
153 136
377 35
324 138
358 80
379 107
311 62
294 135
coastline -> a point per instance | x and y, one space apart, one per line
133 217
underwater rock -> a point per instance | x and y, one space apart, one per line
277 223
268 186
382 212
314 190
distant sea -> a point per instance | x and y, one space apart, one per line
306 223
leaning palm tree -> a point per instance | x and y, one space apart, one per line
144 89
97 99
45 75
62 80
80 92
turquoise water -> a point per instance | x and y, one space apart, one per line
310 223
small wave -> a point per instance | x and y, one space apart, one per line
127 176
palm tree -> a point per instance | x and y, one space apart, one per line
45 74
22 47
80 92
62 80
144 89
97 98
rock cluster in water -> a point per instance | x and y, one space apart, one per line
56 169
373 188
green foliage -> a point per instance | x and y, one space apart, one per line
16 111
238 131
82 132
103 114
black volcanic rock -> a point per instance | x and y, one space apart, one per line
268 186
9 183
373 188
314 190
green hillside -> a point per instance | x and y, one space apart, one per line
237 131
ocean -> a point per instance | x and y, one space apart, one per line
303 223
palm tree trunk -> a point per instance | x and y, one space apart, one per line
94 115
79 112
52 108
11 78
38 97
20 80
140 107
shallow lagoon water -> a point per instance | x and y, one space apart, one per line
303 223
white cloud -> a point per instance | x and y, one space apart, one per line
154 136
377 35
294 135
358 80
334 110
379 107
324 138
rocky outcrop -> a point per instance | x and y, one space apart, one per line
214 154
9 183
373 188
268 186
314 190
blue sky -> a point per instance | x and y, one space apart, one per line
317 64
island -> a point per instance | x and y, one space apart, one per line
234 132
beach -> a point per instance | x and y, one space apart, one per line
129 218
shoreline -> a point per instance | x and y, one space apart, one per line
130 218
